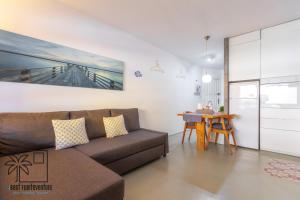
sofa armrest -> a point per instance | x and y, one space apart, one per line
166 145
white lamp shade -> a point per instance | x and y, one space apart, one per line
206 78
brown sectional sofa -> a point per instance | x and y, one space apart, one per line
90 171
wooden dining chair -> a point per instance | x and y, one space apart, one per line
223 126
192 125
188 125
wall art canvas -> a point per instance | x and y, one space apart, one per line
28 60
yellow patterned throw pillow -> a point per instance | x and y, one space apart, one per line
114 126
69 133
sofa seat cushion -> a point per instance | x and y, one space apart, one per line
106 150
71 174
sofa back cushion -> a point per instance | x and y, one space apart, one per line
93 121
20 132
131 117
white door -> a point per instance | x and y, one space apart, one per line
244 101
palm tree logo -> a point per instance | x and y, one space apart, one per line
18 164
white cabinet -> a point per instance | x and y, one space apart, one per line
280 141
244 57
280 48
281 95
271 55
280 119
244 102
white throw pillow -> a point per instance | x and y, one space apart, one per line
69 133
114 126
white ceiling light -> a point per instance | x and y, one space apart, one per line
206 78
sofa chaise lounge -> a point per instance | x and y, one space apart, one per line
89 171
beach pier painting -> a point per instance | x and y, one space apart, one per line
27 60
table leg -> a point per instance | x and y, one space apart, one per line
209 129
200 130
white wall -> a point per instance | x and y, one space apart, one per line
158 96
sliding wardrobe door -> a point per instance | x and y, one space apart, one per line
280 115
280 47
244 101
244 57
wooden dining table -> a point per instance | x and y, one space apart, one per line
201 119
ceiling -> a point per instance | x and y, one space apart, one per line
179 26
